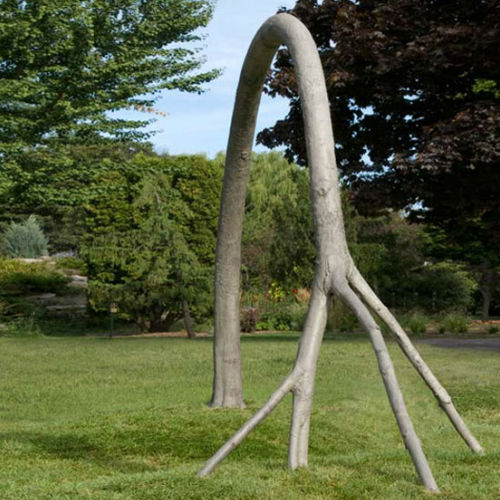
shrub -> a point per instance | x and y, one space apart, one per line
283 316
22 278
454 323
416 323
341 318
71 264
21 327
25 239
248 319
149 241
445 286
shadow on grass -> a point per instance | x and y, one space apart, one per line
271 337
140 442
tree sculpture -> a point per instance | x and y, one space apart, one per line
335 272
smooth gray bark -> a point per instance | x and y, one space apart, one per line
335 270
388 374
415 358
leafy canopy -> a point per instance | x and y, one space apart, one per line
66 65
414 88
150 238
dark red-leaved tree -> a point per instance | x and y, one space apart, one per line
415 100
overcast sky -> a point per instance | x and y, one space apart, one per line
200 123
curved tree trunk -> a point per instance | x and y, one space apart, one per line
335 271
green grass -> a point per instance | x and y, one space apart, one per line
85 418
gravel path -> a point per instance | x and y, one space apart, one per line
485 344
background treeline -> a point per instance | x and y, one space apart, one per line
142 228
414 91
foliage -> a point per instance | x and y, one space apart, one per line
415 324
150 242
403 273
444 286
249 318
278 251
407 88
278 236
278 243
87 418
25 239
58 184
415 108
368 252
341 318
20 278
277 309
454 323
70 264
66 66
23 326
283 316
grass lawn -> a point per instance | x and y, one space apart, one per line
126 418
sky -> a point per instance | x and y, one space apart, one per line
200 123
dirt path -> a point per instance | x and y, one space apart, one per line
485 344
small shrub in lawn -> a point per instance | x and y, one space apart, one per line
416 324
248 319
455 323
25 239
493 329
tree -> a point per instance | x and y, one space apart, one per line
278 236
57 185
146 271
66 66
24 240
414 90
335 273
147 250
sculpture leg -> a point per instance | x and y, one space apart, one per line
300 380
386 369
307 359
249 425
299 428
444 399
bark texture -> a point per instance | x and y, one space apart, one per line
335 271
188 320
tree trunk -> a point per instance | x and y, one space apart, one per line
335 271
188 321
485 287
485 310
160 321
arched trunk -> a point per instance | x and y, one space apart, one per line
335 271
